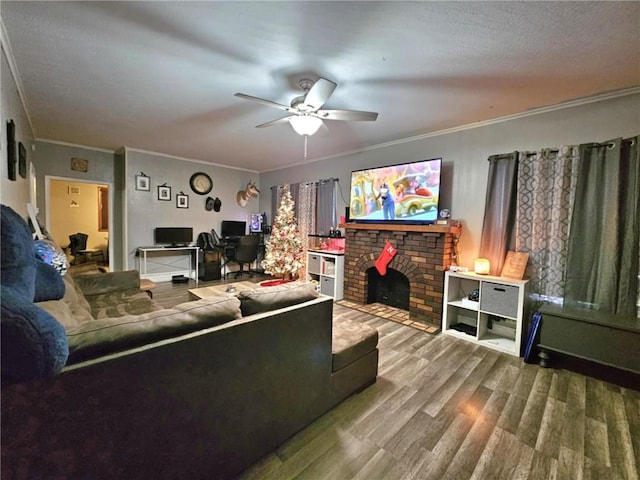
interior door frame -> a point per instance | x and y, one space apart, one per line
47 203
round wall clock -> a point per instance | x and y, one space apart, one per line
201 183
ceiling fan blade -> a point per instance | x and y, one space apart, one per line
352 115
274 122
319 93
264 102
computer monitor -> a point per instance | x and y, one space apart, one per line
232 229
255 226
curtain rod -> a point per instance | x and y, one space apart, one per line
551 150
323 180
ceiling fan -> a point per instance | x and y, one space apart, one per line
305 113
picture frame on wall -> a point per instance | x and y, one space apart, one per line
182 200
143 182
79 164
22 160
11 150
164 193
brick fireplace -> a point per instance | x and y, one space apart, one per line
424 253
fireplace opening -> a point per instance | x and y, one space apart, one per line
391 289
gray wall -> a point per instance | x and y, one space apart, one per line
145 211
15 194
465 154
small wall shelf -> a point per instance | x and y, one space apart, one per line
495 320
327 269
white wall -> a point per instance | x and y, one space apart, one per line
465 154
15 194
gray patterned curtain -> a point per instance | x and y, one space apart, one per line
326 206
546 185
499 210
603 251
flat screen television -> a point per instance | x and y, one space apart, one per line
402 193
233 229
173 236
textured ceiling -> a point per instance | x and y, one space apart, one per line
160 76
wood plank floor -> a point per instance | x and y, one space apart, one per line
443 408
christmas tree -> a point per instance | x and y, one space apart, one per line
283 257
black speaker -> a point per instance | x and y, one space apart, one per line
346 214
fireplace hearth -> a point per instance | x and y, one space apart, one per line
424 254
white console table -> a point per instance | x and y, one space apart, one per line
143 252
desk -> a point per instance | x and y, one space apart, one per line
192 251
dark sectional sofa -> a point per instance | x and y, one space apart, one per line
202 390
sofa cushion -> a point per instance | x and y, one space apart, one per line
101 283
265 299
120 303
351 340
34 344
109 335
76 302
62 312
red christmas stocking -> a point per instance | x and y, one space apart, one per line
385 257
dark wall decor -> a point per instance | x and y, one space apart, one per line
79 165
22 160
164 192
143 182
182 200
11 149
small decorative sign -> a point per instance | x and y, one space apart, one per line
514 265
79 165
73 190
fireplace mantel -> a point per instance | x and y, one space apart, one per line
402 227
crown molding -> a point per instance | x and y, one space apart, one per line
6 46
184 159
528 113
75 145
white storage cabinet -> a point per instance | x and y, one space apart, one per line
495 320
327 269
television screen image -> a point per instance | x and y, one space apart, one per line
403 193
256 223
173 236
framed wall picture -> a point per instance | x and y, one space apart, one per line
79 165
182 200
164 193
143 182
11 150
22 160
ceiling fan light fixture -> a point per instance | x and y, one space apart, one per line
305 124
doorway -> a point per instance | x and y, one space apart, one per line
75 206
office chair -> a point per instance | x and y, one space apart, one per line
245 252
78 249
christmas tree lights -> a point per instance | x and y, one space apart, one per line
284 252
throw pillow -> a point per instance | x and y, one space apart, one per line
265 299
49 252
